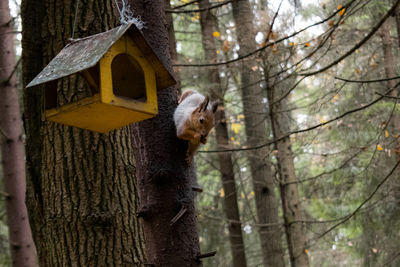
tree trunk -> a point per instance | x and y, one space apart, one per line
164 179
397 16
207 21
172 43
253 108
12 148
388 55
291 206
171 31
81 194
394 123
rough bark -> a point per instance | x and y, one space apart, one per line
291 205
81 193
164 178
207 22
253 109
12 149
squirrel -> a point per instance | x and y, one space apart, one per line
194 119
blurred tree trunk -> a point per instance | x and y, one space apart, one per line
172 43
164 179
208 23
291 205
12 148
171 31
387 46
394 123
81 194
397 16
256 132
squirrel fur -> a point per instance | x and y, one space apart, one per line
194 119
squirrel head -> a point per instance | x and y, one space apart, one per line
202 118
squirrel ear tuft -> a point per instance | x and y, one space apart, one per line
214 105
203 105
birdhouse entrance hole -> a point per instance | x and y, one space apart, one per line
126 75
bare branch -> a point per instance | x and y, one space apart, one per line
187 4
12 72
388 96
264 47
358 45
3 133
303 130
348 217
367 81
272 23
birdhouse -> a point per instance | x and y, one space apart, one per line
123 73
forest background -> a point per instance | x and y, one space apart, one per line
302 166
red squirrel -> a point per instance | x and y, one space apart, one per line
194 119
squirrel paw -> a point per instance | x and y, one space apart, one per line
196 138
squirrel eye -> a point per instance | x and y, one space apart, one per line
201 120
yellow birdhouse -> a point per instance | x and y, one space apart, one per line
123 73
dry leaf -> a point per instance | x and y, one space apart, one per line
226 46
216 34
236 127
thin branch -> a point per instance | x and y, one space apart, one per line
206 255
272 23
367 81
198 9
187 4
264 47
326 172
303 130
4 134
12 72
4 194
388 96
188 32
178 216
348 217
392 259
11 32
358 45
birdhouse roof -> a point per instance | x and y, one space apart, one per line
84 53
